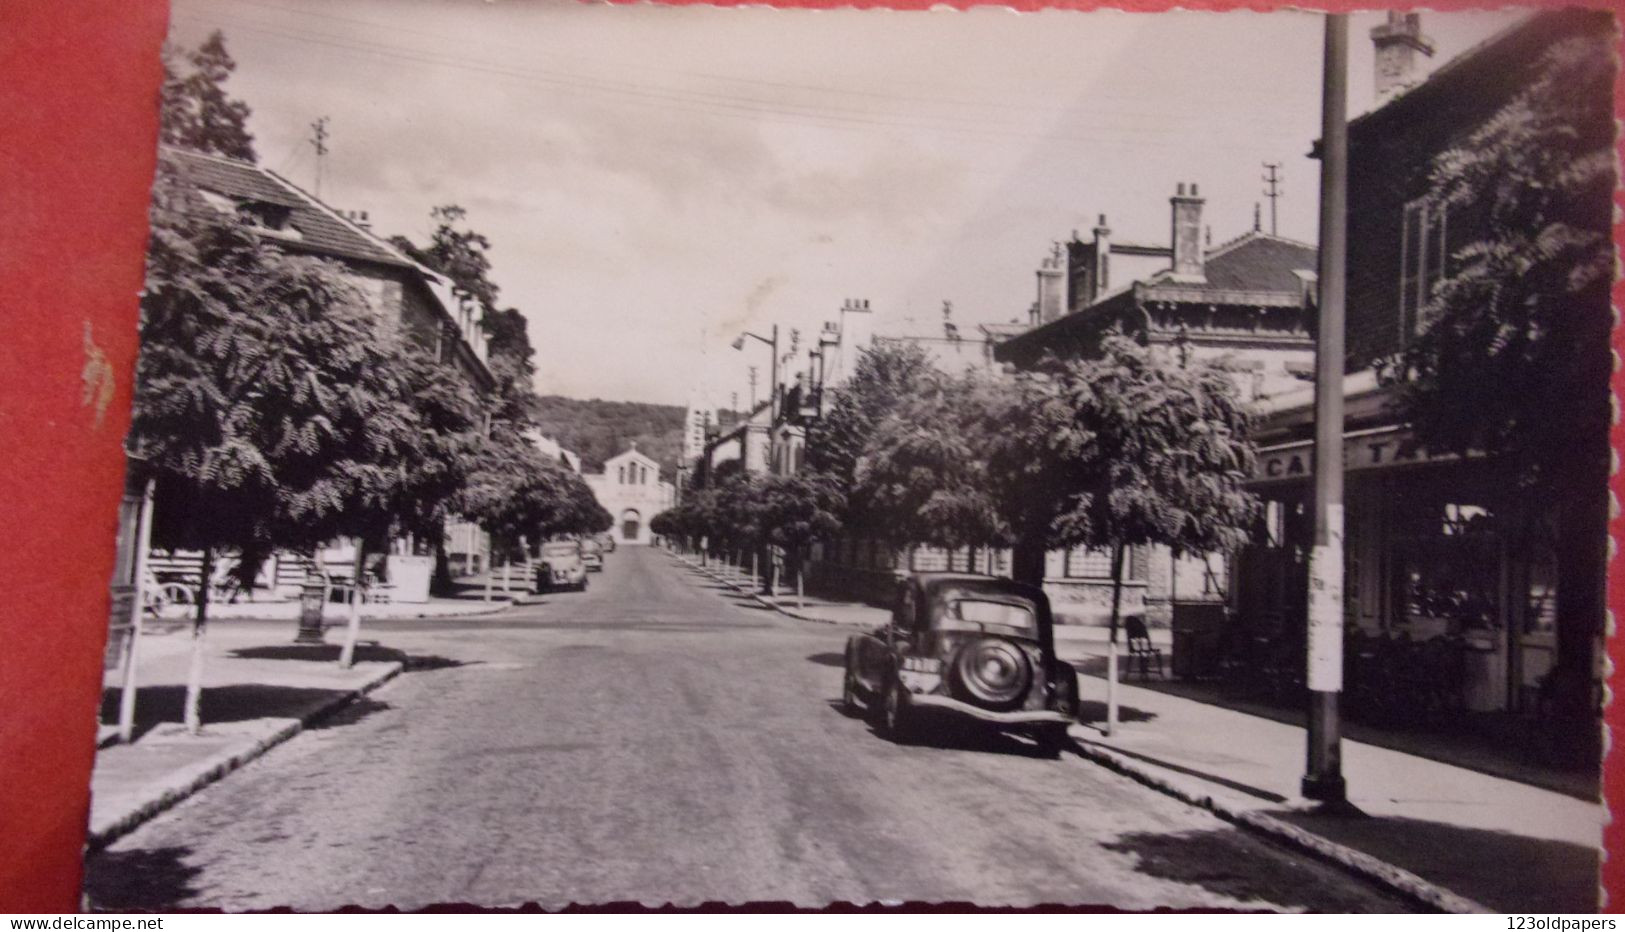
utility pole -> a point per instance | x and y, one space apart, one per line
1273 179
318 139
1323 776
752 390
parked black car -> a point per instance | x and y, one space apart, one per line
977 648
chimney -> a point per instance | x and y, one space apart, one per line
1397 43
1187 235
1051 287
1100 275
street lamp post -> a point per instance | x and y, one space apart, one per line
1323 777
773 372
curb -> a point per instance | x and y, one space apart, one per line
1389 877
189 781
767 603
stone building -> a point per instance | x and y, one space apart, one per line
1244 303
631 490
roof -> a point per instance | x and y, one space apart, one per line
320 229
632 453
1254 269
1477 78
1254 261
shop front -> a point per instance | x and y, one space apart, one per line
1449 581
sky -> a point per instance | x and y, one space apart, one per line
655 180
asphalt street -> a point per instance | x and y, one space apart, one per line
659 740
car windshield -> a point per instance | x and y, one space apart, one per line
590 546
560 550
982 612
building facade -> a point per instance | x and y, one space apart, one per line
409 299
1244 303
1449 564
631 490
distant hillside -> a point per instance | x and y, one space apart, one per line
599 429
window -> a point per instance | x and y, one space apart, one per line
1423 255
1088 563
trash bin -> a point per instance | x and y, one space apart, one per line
1197 628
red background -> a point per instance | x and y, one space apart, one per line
78 94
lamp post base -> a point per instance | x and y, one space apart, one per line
312 595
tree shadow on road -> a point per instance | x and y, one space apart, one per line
143 879
1504 871
239 702
365 652
1091 711
1227 862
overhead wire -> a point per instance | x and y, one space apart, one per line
722 105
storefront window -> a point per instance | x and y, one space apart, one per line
1447 570
1540 615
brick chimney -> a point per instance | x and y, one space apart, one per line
1100 280
1051 287
1398 42
1187 235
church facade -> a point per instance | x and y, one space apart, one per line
631 490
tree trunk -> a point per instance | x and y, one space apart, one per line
530 566
489 581
193 714
1111 645
1582 561
507 565
352 628
441 582
1027 559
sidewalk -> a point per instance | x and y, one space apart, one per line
469 604
1072 642
1453 838
258 691
1503 844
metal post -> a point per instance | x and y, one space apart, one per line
773 399
1323 777
127 686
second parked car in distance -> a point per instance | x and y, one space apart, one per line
561 567
592 554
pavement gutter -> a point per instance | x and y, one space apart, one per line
1389 877
1386 875
188 781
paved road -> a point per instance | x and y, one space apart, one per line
657 740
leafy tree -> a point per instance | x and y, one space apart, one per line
1157 452
922 476
194 110
885 377
794 512
462 255
1512 357
272 408
1151 452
